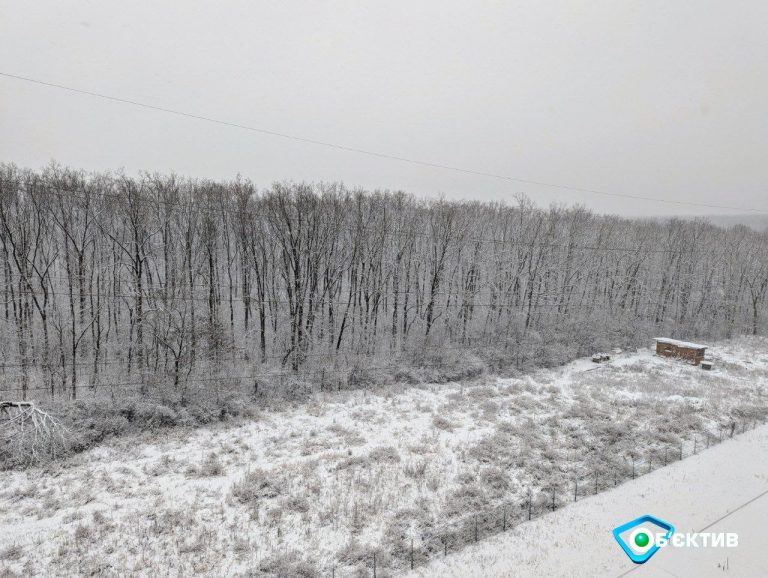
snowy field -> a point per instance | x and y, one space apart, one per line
386 477
696 494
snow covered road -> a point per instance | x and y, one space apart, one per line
723 489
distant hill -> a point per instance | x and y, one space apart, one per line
756 222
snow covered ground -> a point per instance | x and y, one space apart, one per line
718 485
392 475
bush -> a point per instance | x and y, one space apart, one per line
467 497
442 423
415 470
289 564
11 553
495 479
297 504
256 485
352 462
210 468
90 421
384 454
152 416
361 556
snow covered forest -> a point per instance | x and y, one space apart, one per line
112 282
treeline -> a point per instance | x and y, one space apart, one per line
160 279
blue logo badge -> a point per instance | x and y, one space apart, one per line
641 538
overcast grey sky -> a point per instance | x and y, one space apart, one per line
655 97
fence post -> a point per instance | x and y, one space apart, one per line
650 463
374 565
530 504
633 467
575 489
411 553
681 449
504 520
553 498
694 443
475 527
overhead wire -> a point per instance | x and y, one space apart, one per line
367 152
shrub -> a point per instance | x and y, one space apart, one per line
352 461
466 498
256 485
83 533
442 423
11 553
361 555
211 467
489 409
415 470
297 504
288 564
384 454
153 416
495 478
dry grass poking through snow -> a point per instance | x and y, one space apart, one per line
329 484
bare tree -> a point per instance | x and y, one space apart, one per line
159 274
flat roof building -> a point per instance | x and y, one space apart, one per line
692 352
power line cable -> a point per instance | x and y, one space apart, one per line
372 153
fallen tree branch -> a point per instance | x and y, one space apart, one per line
28 433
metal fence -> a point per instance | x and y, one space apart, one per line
411 551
